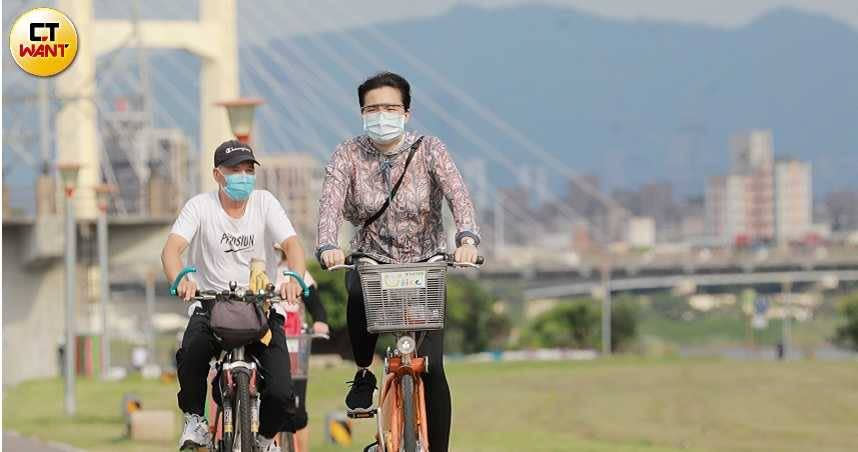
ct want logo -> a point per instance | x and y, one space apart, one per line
43 42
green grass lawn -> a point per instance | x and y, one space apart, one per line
624 404
730 327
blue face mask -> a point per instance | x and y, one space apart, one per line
384 127
239 186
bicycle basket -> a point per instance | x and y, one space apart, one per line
299 355
404 297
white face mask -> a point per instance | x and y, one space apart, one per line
384 127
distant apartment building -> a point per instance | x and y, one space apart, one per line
295 179
169 172
125 143
640 232
793 200
840 209
657 202
739 203
148 165
753 160
759 200
692 221
715 201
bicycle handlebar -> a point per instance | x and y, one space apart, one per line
174 288
449 258
304 286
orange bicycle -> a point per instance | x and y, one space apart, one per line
405 300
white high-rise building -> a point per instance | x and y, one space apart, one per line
759 200
715 205
793 200
737 205
640 232
753 159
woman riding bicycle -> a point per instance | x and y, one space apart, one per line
360 177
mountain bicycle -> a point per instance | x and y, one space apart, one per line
236 420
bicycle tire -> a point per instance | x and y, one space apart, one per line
289 442
242 383
409 427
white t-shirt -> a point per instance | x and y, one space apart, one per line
221 247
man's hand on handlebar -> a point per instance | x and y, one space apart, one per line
291 291
187 290
467 254
334 257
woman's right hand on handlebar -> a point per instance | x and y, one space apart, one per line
334 257
187 290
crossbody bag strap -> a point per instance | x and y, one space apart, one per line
393 192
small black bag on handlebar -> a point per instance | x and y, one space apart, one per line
238 323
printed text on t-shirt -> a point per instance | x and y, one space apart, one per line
236 243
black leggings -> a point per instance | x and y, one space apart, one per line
301 419
438 406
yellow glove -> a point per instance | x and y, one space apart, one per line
258 278
259 281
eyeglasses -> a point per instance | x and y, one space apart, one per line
388 108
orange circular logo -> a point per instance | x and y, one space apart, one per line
43 42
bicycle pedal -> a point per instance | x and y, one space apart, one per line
362 413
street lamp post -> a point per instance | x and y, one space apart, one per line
68 173
786 333
606 309
103 193
240 113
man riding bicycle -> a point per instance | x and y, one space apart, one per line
413 174
224 230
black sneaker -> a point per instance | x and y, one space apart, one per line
360 394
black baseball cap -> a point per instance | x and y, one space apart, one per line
233 152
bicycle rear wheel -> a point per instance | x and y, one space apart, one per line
409 429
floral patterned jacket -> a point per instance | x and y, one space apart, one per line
359 178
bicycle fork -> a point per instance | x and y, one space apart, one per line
236 363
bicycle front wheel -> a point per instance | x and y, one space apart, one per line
245 436
409 429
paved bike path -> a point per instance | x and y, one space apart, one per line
13 442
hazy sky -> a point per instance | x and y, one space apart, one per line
303 16
723 13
